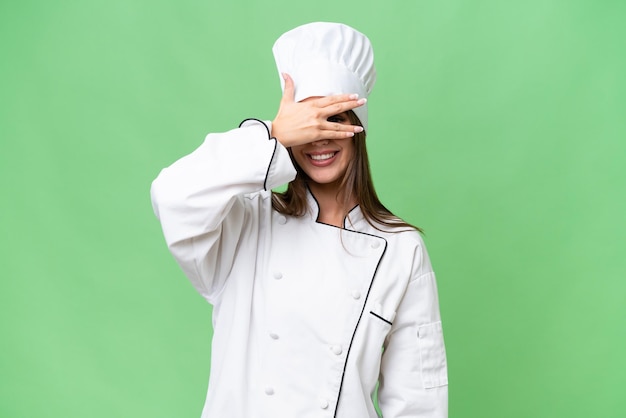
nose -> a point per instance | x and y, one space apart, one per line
320 142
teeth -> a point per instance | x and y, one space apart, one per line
320 157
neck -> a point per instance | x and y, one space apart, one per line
332 204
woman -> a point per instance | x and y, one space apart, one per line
319 293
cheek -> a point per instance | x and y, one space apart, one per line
349 152
297 155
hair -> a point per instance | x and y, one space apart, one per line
356 185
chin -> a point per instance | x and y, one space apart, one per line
324 179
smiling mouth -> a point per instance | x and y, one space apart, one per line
322 157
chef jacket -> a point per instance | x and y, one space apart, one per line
308 318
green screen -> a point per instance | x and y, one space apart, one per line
497 126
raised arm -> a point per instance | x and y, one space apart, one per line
200 199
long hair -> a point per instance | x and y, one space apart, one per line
356 185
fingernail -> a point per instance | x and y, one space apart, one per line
358 129
361 101
349 134
354 96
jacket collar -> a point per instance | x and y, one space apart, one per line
353 220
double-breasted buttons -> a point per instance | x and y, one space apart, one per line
282 220
336 349
375 244
278 275
323 403
269 391
356 295
273 335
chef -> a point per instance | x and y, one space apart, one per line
323 300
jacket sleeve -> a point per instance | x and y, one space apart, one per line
414 379
200 199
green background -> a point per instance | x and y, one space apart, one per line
497 126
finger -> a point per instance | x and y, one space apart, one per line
340 127
335 99
289 91
334 135
341 107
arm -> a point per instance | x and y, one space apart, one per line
201 195
413 379
199 199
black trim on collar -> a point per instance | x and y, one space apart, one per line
317 219
348 217
269 137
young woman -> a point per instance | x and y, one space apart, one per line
319 293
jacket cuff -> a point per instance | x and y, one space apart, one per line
280 169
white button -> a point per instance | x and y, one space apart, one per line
269 391
375 244
278 275
356 295
273 336
336 349
282 220
323 403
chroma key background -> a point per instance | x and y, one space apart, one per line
497 126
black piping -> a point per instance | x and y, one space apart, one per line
344 219
380 317
348 217
270 137
345 365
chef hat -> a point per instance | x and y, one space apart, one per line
325 59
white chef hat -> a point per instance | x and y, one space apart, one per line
327 58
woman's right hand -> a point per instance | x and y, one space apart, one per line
299 123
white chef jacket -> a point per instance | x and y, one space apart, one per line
307 317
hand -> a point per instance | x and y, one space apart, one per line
299 123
